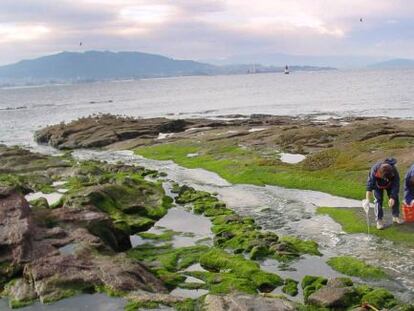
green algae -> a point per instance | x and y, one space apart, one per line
380 298
290 287
241 234
240 166
355 267
303 246
354 222
164 236
217 260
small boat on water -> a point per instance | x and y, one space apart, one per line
286 70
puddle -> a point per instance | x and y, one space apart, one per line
59 183
308 265
286 211
191 279
137 240
164 135
62 190
178 219
192 155
84 302
195 267
51 198
68 249
257 129
198 129
292 158
188 293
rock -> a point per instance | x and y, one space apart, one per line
104 130
173 126
16 228
331 297
240 302
54 276
97 222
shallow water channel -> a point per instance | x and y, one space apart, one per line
293 212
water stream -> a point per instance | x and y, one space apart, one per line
290 211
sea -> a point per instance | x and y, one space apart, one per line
335 93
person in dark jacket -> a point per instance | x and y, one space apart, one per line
384 176
409 186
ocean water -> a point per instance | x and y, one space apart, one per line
338 93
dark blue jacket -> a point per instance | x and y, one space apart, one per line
376 183
408 191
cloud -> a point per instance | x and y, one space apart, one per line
207 28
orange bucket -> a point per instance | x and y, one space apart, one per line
408 212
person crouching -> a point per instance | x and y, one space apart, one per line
409 187
384 176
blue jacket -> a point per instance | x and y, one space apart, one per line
408 191
376 183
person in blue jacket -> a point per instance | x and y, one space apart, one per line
384 176
409 186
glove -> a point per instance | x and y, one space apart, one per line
366 205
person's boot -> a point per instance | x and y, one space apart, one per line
380 224
397 220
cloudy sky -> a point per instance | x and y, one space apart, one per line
207 29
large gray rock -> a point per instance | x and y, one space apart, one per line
241 302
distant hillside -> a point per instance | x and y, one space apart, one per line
397 63
94 65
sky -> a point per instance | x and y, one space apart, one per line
207 29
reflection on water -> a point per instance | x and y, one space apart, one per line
289 211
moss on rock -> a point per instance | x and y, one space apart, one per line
311 284
355 267
290 287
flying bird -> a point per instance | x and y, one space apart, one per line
361 20
80 43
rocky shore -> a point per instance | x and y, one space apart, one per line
81 243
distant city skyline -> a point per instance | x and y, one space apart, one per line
207 29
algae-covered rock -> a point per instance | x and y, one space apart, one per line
380 298
40 203
20 293
133 204
310 284
355 267
217 260
290 287
246 302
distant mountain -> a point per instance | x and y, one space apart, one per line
94 65
397 63
97 66
280 59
